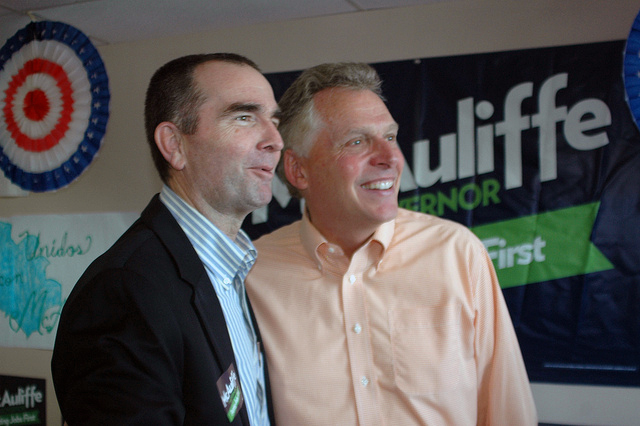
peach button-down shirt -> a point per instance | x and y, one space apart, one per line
413 330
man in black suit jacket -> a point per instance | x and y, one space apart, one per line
144 338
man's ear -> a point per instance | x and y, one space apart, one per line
294 170
171 144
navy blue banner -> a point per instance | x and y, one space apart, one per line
537 152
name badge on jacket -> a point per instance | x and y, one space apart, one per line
230 392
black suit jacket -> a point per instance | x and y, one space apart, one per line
142 338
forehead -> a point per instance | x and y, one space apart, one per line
226 83
345 108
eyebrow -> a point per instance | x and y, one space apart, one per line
248 107
241 107
393 127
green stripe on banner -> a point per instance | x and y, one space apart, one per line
544 247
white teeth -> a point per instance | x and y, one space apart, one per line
379 185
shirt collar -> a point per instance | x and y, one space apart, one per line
217 251
312 239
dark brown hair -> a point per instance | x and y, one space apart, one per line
173 96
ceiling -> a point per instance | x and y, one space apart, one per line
118 21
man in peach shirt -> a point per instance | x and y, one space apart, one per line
371 314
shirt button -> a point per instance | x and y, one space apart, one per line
364 381
352 279
357 328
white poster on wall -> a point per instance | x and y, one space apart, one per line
41 258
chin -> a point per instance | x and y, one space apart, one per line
381 217
390 214
262 201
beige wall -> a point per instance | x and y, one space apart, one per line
122 177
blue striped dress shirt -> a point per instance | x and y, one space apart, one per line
227 263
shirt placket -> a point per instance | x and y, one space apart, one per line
359 342
256 355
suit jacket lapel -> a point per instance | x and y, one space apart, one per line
205 300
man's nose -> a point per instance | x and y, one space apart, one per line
385 152
271 139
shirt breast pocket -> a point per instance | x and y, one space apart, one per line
426 348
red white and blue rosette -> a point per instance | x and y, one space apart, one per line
54 105
631 70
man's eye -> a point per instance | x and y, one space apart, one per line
356 142
391 138
244 118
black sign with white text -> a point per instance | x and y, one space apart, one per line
22 401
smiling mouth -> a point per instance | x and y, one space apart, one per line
385 184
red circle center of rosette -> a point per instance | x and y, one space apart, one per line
36 105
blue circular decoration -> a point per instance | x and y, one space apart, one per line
54 105
631 70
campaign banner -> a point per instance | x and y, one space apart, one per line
537 153
22 401
41 259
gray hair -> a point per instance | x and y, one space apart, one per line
299 120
